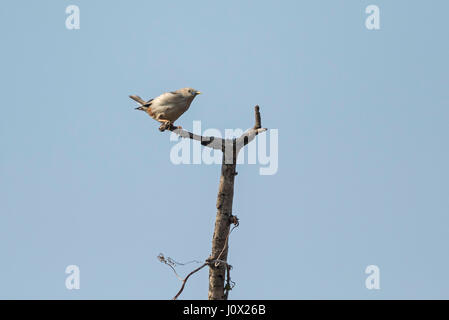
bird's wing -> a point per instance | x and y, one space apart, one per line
168 99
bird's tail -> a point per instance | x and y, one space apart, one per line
138 99
143 104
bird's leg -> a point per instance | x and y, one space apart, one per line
166 124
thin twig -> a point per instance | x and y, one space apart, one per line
169 262
185 263
185 280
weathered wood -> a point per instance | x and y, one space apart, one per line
220 241
218 265
217 270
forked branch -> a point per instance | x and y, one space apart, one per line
221 144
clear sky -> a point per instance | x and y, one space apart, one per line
362 117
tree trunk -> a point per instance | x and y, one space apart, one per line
217 270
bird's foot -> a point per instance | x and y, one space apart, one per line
165 126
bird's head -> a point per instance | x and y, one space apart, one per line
189 92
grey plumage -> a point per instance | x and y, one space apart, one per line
167 107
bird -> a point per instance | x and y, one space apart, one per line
167 107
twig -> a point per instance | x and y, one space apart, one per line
185 263
169 262
185 280
172 263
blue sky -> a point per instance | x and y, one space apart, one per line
362 118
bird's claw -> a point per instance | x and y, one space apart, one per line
165 126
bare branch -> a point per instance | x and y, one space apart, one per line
258 122
250 134
211 142
185 280
222 144
169 262
172 263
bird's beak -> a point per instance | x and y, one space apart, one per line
198 92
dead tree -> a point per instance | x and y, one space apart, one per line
219 269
